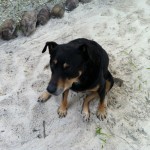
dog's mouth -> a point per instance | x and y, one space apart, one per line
57 88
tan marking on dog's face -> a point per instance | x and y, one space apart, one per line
65 65
67 83
55 61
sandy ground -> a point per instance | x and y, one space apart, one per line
123 29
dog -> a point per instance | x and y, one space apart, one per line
80 65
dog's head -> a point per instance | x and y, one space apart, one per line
66 63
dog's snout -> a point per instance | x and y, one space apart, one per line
51 88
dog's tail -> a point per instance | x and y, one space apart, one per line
118 81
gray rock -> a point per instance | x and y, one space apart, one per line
58 11
28 22
43 16
8 30
85 1
71 4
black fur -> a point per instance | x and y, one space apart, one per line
82 55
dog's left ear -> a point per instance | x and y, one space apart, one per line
90 52
50 45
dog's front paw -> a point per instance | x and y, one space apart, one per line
86 116
44 97
62 112
101 113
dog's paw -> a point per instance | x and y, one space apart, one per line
101 113
86 116
62 112
44 97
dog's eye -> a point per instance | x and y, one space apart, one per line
53 63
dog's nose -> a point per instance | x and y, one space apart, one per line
51 88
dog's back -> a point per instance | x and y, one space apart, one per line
96 66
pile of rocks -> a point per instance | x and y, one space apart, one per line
32 19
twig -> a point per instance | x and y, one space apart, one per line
44 134
27 59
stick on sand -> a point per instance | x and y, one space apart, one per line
44 134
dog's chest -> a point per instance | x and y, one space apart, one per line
78 87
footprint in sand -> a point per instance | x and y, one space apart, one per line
41 83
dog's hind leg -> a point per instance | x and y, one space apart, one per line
62 110
44 97
85 107
101 112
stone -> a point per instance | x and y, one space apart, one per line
43 16
71 4
58 11
28 22
8 29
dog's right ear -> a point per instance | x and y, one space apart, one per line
50 45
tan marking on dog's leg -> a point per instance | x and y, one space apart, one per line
62 110
101 112
44 97
85 109
108 85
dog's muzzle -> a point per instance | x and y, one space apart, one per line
54 90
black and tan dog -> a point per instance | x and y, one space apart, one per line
80 65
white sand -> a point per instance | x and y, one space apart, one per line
123 29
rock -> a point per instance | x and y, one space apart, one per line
8 30
85 1
28 22
43 16
71 4
58 11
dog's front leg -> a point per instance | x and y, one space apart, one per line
44 97
62 110
85 107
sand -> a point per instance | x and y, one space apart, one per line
123 30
